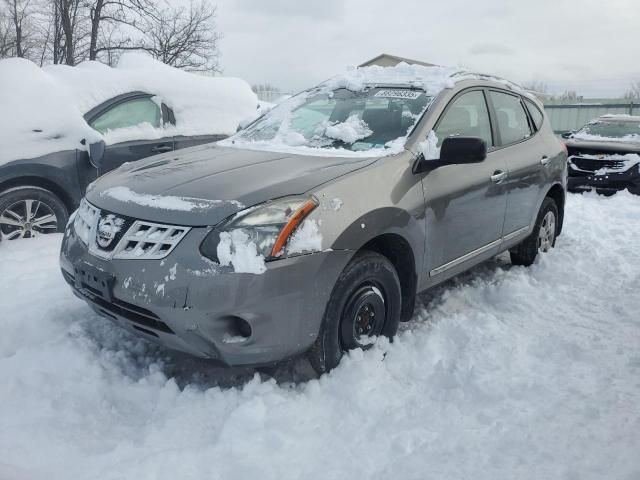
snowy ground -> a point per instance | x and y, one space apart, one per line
504 373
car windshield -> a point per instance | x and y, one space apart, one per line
612 129
342 120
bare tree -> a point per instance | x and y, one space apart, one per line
7 41
569 95
634 91
69 31
183 36
19 13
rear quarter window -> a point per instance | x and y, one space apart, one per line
536 114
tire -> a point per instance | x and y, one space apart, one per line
367 289
605 193
46 212
543 237
634 189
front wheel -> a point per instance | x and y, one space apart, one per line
365 303
543 237
26 212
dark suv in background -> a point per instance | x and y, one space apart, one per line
38 194
605 155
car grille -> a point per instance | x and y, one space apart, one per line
595 164
109 235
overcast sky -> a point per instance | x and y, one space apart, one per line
592 46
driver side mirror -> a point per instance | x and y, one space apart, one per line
454 151
96 153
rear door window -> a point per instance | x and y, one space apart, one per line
511 118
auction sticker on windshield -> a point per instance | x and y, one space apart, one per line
396 93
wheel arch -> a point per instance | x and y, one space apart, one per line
399 252
41 182
557 194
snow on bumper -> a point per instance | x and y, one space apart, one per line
188 303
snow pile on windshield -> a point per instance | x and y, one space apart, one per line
349 131
365 112
38 117
238 250
43 108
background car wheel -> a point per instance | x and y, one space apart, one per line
365 303
543 237
605 193
29 211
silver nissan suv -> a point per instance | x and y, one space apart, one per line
312 229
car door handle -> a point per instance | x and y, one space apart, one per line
498 176
162 149
544 161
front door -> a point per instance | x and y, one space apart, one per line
133 128
465 204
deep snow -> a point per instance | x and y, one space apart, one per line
504 373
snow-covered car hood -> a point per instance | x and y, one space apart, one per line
206 184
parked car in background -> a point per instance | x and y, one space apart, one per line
313 229
64 126
605 155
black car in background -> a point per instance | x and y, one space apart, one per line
38 194
605 155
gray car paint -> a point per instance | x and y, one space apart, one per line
452 218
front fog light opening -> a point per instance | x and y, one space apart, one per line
236 330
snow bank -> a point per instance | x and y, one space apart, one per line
504 373
43 108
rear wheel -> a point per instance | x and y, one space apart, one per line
365 303
543 237
634 189
26 212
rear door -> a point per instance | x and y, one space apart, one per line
133 126
465 203
523 152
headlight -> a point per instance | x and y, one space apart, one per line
269 226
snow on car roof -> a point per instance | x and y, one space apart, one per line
202 104
432 79
44 107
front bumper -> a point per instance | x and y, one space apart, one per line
613 181
190 304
